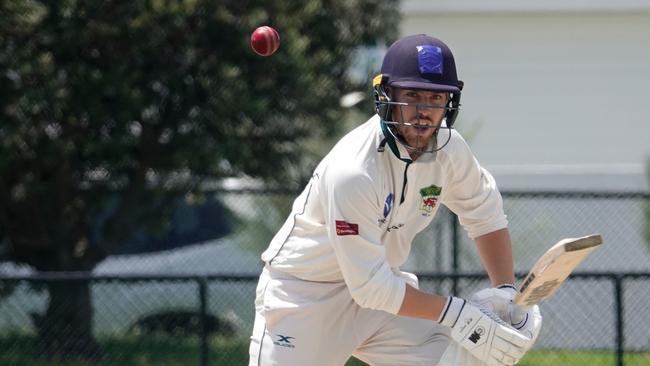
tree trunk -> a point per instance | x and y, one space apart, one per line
65 331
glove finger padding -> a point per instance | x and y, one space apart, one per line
506 347
483 334
502 357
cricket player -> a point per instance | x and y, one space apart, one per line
332 285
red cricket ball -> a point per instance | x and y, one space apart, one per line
265 40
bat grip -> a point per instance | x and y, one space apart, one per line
518 313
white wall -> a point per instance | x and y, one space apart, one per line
558 97
554 98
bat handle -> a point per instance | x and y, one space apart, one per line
518 313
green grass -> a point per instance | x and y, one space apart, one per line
569 358
134 351
184 351
575 358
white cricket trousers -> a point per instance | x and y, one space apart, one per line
303 323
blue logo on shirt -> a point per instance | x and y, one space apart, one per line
388 205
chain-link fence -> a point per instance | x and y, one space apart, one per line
137 320
194 305
183 320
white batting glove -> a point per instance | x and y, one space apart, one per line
483 334
500 301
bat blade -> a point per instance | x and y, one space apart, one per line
553 267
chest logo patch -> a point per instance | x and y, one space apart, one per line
429 196
346 228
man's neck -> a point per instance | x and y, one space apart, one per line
415 155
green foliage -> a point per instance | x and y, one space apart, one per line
111 111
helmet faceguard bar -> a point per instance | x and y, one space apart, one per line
394 125
419 106
384 104
384 107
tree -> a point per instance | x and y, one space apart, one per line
111 112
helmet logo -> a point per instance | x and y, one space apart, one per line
430 59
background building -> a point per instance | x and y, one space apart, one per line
555 91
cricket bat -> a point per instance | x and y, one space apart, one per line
553 267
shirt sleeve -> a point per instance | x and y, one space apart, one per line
352 205
472 192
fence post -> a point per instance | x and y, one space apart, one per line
618 296
455 250
203 352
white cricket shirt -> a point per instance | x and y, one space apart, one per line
357 216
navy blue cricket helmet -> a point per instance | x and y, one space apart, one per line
417 62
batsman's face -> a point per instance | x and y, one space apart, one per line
424 114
